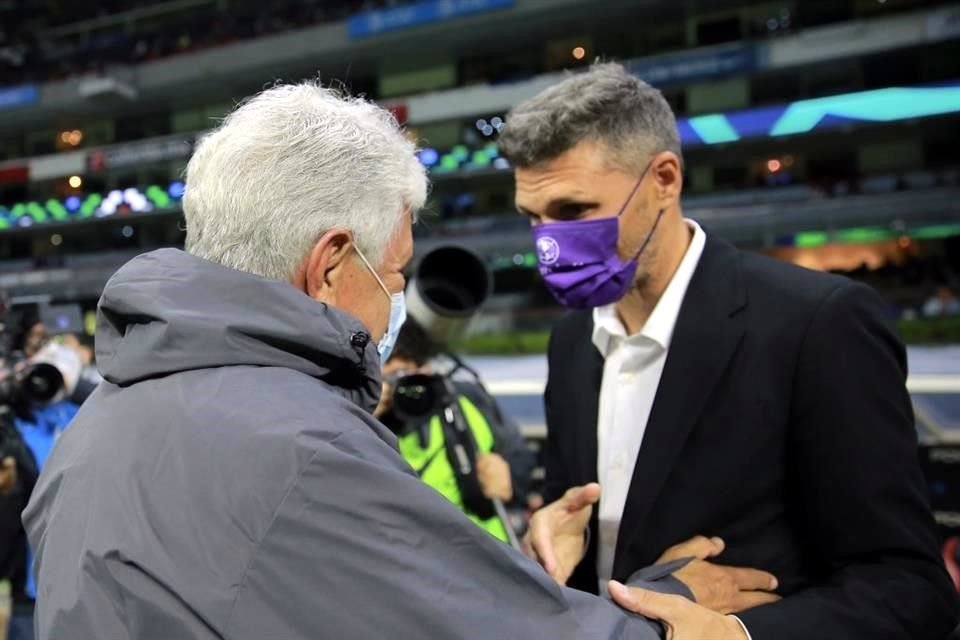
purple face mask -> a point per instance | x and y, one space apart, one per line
579 261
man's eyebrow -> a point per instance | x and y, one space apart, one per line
561 201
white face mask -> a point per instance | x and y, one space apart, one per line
398 314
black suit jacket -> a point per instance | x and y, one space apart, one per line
783 425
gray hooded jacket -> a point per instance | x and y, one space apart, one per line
228 481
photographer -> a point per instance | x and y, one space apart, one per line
503 463
18 474
39 378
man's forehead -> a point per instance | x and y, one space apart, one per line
573 169
536 188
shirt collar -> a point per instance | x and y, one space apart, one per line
608 330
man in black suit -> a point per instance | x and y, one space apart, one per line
713 393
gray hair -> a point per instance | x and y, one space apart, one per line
605 104
291 163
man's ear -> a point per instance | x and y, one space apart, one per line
668 175
326 265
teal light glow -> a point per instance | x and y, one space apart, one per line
714 129
881 105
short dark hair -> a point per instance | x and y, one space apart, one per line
415 344
608 104
22 319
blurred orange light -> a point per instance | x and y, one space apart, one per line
578 53
904 242
773 165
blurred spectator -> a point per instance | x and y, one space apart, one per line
18 474
37 428
942 303
6 607
29 335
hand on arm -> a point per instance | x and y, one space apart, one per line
682 619
717 587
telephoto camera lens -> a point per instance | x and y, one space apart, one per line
40 383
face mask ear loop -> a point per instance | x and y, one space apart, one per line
643 174
377 277
627 203
633 191
649 235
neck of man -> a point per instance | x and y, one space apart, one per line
674 238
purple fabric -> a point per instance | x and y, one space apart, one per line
580 264
579 260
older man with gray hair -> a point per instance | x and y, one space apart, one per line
227 480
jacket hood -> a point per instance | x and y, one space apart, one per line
168 311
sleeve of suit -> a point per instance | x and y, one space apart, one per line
856 489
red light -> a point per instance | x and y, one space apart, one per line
773 165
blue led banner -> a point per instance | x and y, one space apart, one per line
821 114
371 23
692 66
20 96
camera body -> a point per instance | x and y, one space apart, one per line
418 396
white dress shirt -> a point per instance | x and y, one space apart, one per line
631 374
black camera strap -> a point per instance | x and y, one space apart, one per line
461 450
489 402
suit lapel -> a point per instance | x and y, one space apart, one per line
706 336
585 388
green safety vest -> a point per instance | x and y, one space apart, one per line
434 468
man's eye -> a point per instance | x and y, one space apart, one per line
571 210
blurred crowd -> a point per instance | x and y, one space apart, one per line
35 46
35 408
919 288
